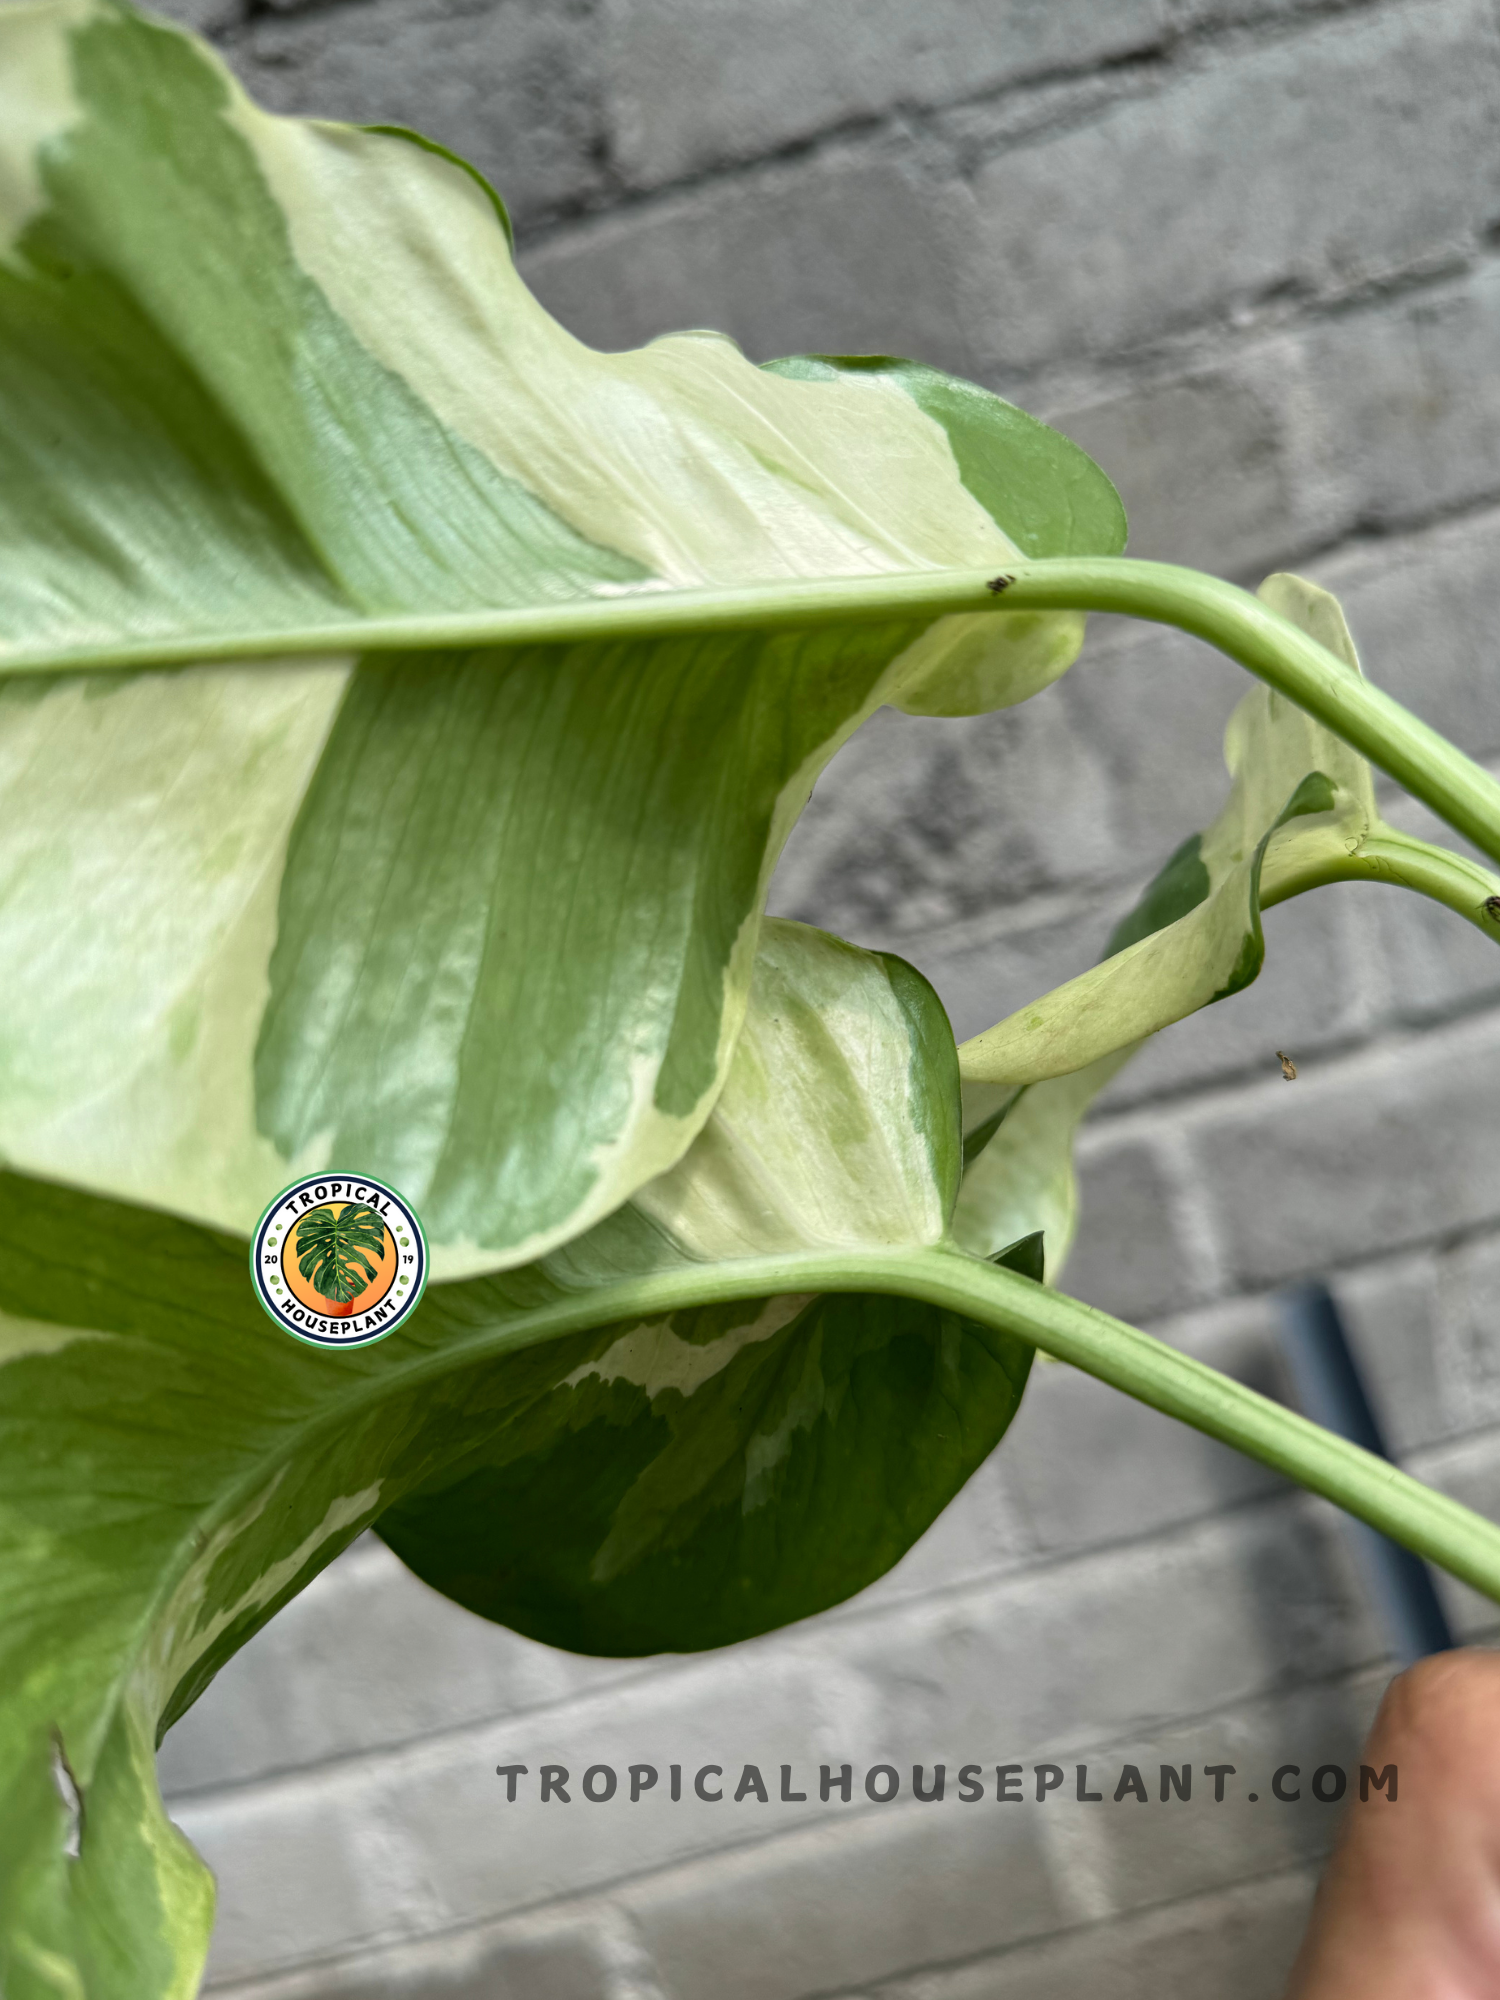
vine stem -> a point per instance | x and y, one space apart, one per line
1271 647
1456 788
1448 1534
1460 884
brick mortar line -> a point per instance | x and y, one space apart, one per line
1242 1077
585 1906
584 1912
1427 1460
1194 1328
1168 1536
1109 898
248 12
1174 50
1181 52
1432 1461
1368 533
1407 1025
591 1911
1221 1097
889 1985
285 1774
1232 334
1091 899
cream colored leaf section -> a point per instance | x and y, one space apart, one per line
1272 750
1270 745
815 1141
147 822
1024 1179
40 104
187 1628
654 1358
1269 740
681 454
957 667
1138 991
20 1337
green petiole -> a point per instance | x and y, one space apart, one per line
1451 879
1456 788
1237 623
1454 1537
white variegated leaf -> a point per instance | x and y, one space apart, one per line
459 883
1300 813
633 1446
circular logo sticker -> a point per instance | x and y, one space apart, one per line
338 1261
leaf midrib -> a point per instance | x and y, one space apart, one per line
795 602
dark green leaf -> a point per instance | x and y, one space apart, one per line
626 1515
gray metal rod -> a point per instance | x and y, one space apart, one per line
1331 1392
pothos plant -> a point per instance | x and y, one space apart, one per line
402 707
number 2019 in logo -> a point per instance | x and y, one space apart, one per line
339 1260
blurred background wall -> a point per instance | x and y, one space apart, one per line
1245 252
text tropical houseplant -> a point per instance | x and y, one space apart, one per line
402 707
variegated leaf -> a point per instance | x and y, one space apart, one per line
1301 812
1018 1179
459 883
661 1436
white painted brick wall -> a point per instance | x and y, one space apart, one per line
699 84
1312 163
1244 250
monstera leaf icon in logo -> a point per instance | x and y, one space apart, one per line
339 1260
331 1252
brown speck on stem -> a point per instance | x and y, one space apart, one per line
1288 1067
998 583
